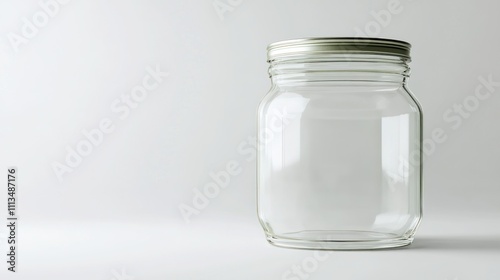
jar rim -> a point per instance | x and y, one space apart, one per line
338 45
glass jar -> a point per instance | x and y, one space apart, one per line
339 145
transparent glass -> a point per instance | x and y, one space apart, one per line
339 154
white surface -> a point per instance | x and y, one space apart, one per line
447 249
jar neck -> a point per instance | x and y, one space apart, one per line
340 69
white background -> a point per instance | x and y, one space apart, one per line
116 215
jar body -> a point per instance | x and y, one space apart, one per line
339 163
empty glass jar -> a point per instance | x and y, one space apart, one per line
339 145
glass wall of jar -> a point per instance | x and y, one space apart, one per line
339 145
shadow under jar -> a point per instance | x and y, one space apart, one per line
339 145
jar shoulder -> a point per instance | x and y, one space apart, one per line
384 100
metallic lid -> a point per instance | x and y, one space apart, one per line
338 45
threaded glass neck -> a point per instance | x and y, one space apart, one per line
339 68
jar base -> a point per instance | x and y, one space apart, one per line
339 240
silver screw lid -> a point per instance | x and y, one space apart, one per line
338 45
